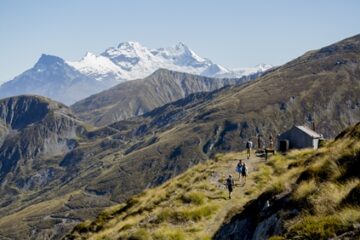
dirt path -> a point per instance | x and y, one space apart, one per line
224 169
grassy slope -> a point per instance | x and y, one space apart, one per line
132 98
194 204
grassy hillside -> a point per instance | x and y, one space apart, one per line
190 206
321 187
133 98
316 196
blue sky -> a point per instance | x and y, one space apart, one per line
231 33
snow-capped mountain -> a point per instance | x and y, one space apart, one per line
70 81
131 60
237 72
52 77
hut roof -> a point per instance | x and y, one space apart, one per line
308 131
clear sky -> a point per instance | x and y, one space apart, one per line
232 33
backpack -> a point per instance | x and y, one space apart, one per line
229 182
244 169
239 168
248 144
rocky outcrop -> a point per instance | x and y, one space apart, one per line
260 219
38 128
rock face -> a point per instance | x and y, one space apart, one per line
137 97
36 129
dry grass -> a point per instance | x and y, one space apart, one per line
305 189
190 206
324 226
194 204
329 195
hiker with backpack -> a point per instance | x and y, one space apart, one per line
239 168
249 146
244 172
230 185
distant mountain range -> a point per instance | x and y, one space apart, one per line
71 81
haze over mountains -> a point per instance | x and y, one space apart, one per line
47 194
71 81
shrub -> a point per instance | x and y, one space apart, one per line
83 227
326 200
140 234
277 238
353 198
279 164
305 189
324 227
169 234
197 198
184 215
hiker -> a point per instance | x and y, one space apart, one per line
239 168
259 141
244 172
230 184
271 145
249 146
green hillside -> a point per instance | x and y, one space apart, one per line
320 187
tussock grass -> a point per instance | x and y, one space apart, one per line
305 189
262 176
193 205
324 226
190 206
327 182
194 197
329 195
353 197
277 238
279 163
183 215
166 233
140 234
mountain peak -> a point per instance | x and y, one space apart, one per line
130 60
129 45
89 54
181 45
49 60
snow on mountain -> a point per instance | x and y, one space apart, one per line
131 60
99 67
237 72
70 81
52 77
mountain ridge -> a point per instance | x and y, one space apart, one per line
137 97
71 81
